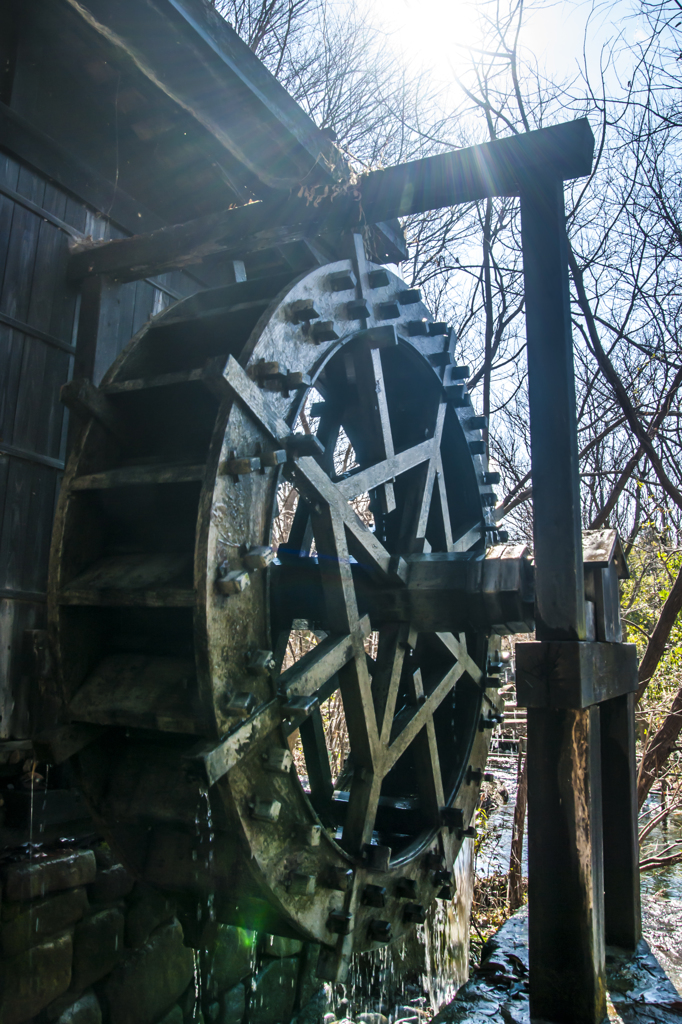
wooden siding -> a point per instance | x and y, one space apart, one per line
38 320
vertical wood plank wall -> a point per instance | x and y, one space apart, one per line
38 321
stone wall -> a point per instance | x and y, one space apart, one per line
83 943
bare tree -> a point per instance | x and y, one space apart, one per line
270 27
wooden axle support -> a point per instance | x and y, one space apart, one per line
583 854
580 697
574 846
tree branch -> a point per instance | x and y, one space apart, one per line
614 380
660 636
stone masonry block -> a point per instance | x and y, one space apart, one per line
275 945
104 855
86 1010
148 908
174 1016
24 881
233 1005
34 978
97 947
315 1010
188 1001
111 884
42 918
144 986
272 1000
227 956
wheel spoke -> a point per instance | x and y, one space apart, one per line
369 375
317 761
391 655
299 542
337 580
427 760
418 506
426 711
373 476
328 435
342 614
458 648
362 809
444 506
314 482
310 673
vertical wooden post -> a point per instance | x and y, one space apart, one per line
622 911
565 878
566 939
97 320
94 291
559 585
86 345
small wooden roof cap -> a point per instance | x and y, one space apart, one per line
603 547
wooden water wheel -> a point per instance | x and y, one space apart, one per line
172 614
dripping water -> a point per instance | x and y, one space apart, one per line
203 855
413 979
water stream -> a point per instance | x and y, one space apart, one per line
661 888
662 894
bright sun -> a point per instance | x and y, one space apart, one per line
436 33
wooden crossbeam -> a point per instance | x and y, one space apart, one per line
315 668
426 759
374 476
503 167
421 717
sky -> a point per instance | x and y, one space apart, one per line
435 33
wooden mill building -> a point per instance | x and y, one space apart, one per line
114 120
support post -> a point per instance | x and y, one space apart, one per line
565 879
622 911
559 585
97 320
566 939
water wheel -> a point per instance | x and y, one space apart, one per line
269 466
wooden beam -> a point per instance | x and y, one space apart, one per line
566 881
622 909
504 167
85 401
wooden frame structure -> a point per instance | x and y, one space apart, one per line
55 186
573 789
